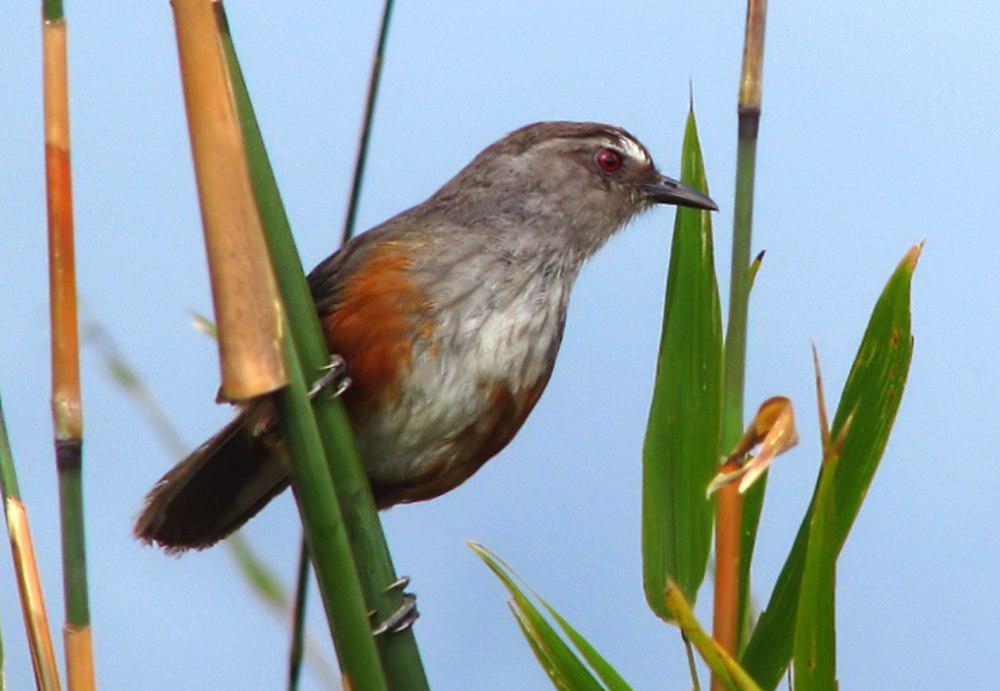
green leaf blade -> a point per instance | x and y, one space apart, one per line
681 449
815 643
871 398
565 669
608 674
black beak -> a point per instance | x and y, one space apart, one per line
669 191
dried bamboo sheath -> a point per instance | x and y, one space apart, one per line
244 291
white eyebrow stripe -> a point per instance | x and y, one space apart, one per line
609 138
633 149
628 146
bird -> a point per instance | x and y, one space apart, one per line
448 316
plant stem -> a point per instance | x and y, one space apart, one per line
36 621
326 534
692 666
724 668
400 657
299 619
366 124
361 158
728 584
52 10
65 346
254 327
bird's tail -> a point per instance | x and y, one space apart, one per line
213 491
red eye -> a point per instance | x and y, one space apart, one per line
609 160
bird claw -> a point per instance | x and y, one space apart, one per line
404 617
333 375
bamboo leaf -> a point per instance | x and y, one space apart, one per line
870 400
681 449
565 668
815 646
608 674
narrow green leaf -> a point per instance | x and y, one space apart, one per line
815 646
541 654
871 397
608 674
565 668
681 450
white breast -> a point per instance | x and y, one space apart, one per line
500 333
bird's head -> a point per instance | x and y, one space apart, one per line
580 180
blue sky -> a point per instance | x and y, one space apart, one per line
879 130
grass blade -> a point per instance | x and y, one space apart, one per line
608 674
815 646
565 668
681 449
871 398
773 428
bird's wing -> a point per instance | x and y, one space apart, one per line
326 280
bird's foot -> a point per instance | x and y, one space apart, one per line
333 378
404 617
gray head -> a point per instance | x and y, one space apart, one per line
579 180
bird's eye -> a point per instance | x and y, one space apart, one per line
609 160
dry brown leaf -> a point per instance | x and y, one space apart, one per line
773 428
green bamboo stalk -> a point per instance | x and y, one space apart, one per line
52 10
357 178
733 543
326 534
256 347
361 159
400 657
746 162
298 619
67 416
